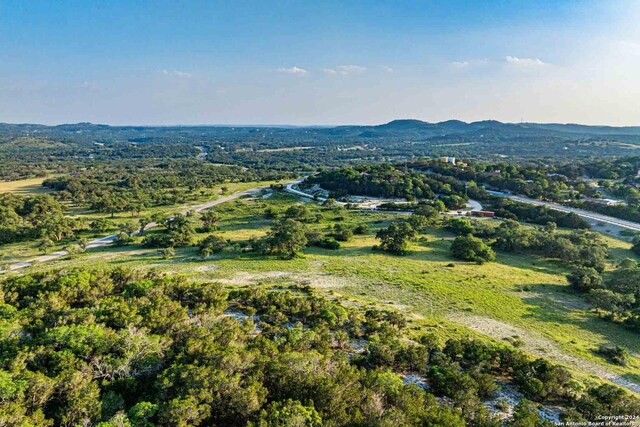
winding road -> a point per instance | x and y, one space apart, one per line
108 240
289 187
473 205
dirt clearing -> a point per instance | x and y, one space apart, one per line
541 346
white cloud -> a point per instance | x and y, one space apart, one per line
345 70
177 73
469 63
460 64
387 69
524 62
296 71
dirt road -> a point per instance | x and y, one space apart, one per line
108 240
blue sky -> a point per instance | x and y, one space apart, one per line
318 62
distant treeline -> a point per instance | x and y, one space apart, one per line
133 186
385 180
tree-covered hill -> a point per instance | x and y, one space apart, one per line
310 147
120 348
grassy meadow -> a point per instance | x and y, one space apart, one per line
24 186
22 251
518 297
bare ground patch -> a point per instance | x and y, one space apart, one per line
208 267
244 278
541 346
574 303
317 280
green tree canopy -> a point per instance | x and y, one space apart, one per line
469 248
396 237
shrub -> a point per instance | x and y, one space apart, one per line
342 232
460 226
616 354
396 237
328 243
361 229
211 245
469 248
286 239
157 241
583 279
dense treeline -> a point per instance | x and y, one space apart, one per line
109 188
330 146
386 180
27 157
623 167
307 159
567 183
531 179
389 181
132 186
616 293
375 181
579 248
33 217
12 170
555 180
628 212
126 348
540 215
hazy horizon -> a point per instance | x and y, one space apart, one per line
319 64
284 125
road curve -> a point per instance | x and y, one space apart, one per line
108 240
634 226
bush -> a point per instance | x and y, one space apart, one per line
460 226
342 232
168 347
361 229
158 241
211 245
328 243
301 213
396 237
583 279
167 253
123 239
469 248
286 238
616 354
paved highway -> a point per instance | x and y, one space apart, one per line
593 216
108 240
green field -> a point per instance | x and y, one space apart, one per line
23 251
23 186
518 295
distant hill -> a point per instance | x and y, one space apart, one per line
400 125
455 126
586 129
405 124
403 137
417 128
